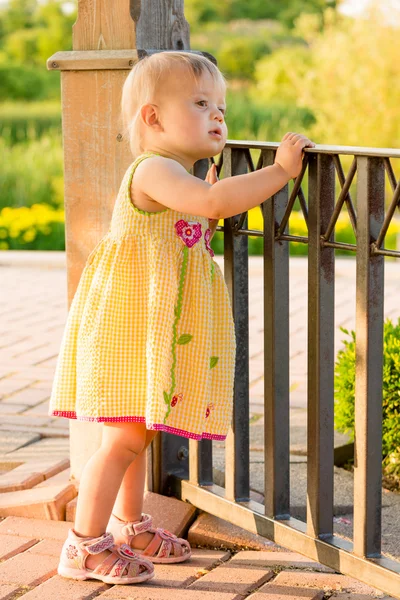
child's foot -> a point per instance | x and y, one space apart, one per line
100 558
157 544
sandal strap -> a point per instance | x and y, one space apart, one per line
153 545
105 566
121 558
131 528
97 545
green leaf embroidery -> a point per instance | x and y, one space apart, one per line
184 338
166 398
213 361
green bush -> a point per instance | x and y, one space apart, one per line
32 173
345 393
27 121
27 82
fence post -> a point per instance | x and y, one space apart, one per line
369 359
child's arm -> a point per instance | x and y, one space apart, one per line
168 183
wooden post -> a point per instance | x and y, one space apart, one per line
108 38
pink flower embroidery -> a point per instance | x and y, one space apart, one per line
189 232
207 237
71 552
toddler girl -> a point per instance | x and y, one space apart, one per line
149 344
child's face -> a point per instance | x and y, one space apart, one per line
190 110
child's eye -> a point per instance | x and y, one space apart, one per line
223 110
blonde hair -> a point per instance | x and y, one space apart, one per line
143 81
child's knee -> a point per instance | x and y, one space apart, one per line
124 437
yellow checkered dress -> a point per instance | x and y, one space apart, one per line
149 335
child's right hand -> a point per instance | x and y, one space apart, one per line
290 153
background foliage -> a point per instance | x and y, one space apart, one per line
345 393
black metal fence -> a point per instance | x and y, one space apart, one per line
185 467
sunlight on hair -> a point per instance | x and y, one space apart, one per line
146 78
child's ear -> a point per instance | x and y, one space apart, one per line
149 115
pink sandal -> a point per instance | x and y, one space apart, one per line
121 566
163 541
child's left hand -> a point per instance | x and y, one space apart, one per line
212 178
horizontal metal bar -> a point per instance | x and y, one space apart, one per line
319 148
292 238
304 240
335 552
340 245
254 232
383 252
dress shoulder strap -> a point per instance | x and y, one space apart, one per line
133 166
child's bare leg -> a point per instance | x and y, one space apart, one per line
129 502
121 443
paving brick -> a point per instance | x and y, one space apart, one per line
8 592
66 589
58 449
276 559
11 409
11 441
143 591
29 396
352 596
24 420
12 544
20 478
38 503
21 371
241 580
35 528
40 410
61 477
28 569
181 575
48 431
283 592
168 512
47 547
70 510
215 532
8 385
326 582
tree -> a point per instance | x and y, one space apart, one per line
286 11
348 76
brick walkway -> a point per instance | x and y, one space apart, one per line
34 448
30 549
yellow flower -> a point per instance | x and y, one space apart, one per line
29 235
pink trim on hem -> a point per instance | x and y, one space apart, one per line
70 414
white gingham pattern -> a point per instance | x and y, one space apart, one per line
116 352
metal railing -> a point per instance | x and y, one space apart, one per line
185 467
